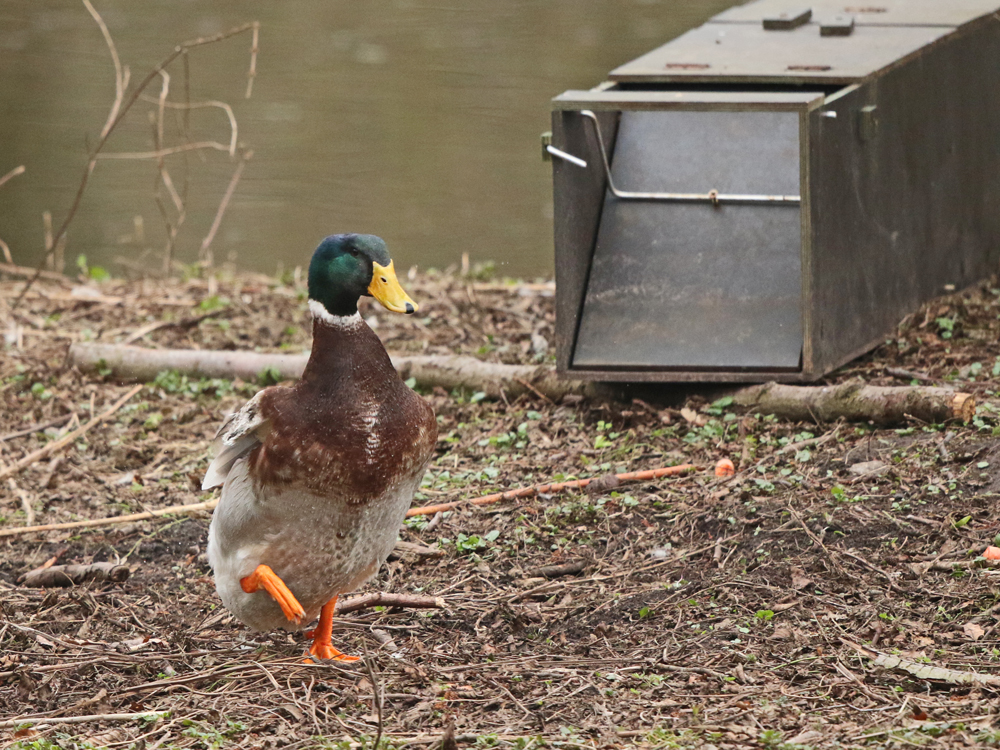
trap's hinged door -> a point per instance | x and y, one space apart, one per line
697 257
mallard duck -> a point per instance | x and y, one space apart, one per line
317 477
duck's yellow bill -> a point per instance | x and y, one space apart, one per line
386 289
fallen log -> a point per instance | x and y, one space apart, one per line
138 364
855 401
141 365
72 575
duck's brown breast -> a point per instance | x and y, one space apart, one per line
350 426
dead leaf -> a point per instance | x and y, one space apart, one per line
974 631
808 737
800 581
693 417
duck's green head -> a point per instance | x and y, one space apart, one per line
347 266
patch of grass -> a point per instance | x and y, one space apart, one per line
212 738
173 382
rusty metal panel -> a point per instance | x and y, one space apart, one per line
905 194
870 12
742 53
691 286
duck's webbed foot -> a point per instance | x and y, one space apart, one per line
265 578
322 646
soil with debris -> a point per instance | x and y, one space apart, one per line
704 611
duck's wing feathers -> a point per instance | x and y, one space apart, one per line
239 434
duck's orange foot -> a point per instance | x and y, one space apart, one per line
265 578
321 650
322 647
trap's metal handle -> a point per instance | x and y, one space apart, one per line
712 196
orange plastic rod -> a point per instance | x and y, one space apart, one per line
631 476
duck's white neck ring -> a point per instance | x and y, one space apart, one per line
337 321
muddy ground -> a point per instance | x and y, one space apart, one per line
708 612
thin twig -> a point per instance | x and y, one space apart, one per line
29 512
12 174
12 723
233 127
253 63
379 599
172 227
377 697
534 390
818 542
876 569
57 422
182 324
13 270
815 442
119 75
56 445
217 221
145 516
160 153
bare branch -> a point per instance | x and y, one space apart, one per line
245 157
9 176
160 102
200 105
164 174
130 101
163 151
12 174
253 59
16 722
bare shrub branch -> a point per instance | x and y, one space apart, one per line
253 59
204 253
159 153
120 76
119 114
12 174
234 128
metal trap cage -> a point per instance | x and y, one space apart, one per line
766 196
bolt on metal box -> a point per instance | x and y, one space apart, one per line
768 195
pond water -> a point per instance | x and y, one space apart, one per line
415 120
